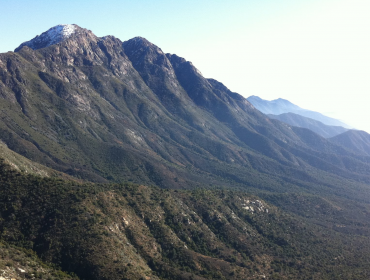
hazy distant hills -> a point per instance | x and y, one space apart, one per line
281 106
355 140
326 131
275 107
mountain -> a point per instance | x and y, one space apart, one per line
102 111
355 140
326 131
105 110
274 107
53 36
281 106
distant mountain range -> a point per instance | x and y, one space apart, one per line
324 130
236 194
283 110
355 140
281 106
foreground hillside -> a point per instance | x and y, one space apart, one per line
136 232
20 263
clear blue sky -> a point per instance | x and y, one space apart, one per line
313 53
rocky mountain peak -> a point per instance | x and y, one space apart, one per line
142 46
54 35
139 41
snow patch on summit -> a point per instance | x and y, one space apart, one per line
53 36
63 30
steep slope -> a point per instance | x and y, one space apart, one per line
325 131
105 110
280 106
136 232
355 140
27 166
19 263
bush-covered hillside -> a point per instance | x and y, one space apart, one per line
136 232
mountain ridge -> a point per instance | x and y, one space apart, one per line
356 140
129 98
281 106
318 127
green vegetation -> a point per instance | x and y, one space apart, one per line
130 231
21 263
